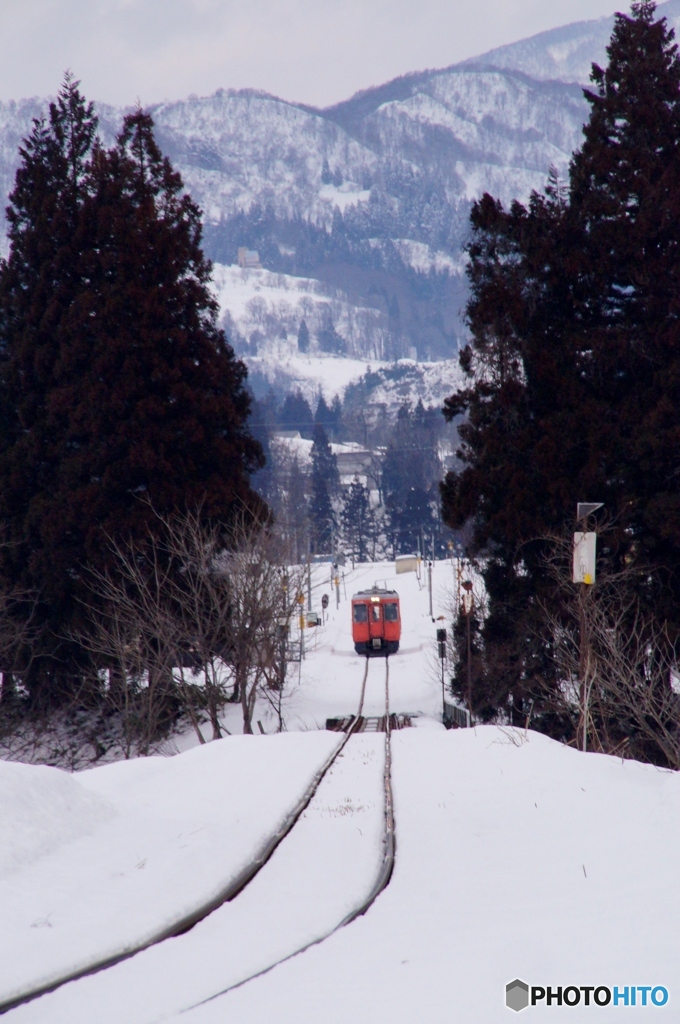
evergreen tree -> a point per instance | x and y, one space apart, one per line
324 417
296 414
330 341
469 677
324 462
292 511
262 422
335 424
410 477
303 337
121 384
574 367
325 480
358 521
321 515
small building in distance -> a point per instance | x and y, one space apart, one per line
357 463
248 259
287 435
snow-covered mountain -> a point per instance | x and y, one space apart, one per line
370 198
565 53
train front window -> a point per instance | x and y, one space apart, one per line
391 613
360 613
375 612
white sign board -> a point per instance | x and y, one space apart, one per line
584 557
406 563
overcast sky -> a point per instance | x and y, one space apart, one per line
313 51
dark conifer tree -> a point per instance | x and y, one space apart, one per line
325 480
410 476
321 515
262 421
123 385
358 521
335 425
293 512
324 416
328 337
303 337
296 414
324 462
469 673
574 367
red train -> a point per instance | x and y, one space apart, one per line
376 622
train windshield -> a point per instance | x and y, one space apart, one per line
391 613
360 613
375 613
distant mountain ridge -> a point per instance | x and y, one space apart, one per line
567 53
371 196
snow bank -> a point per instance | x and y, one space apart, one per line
321 871
122 851
40 809
514 860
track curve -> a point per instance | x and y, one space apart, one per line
384 873
231 890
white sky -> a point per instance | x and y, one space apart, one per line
313 51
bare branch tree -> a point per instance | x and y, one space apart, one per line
195 611
614 661
262 592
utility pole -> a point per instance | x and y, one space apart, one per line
441 643
468 604
301 610
429 584
585 554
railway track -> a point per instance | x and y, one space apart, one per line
237 885
389 843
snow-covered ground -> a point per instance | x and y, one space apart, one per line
316 877
266 309
516 858
96 862
261 313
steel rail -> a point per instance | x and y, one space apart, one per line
382 879
228 893
389 838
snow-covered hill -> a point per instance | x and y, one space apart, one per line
239 148
566 53
261 313
368 201
517 857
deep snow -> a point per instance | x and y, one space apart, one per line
315 878
516 857
134 846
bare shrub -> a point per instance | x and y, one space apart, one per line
614 661
190 620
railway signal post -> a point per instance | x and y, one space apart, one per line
441 644
468 605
